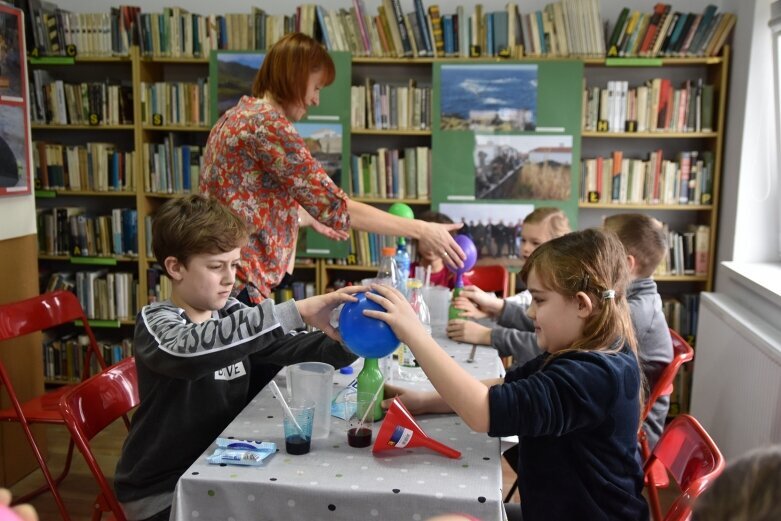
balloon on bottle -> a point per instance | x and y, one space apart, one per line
366 336
469 262
401 210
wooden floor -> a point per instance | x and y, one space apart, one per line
79 488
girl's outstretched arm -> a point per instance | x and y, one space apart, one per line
465 394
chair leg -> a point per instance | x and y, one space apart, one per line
653 499
512 491
51 483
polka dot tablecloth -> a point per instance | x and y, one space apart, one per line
338 482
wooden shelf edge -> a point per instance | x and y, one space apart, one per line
648 135
649 207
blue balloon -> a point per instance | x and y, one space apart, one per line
366 336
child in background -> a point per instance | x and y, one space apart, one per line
440 275
576 407
196 354
644 240
514 334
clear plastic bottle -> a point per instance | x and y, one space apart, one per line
403 263
409 369
389 271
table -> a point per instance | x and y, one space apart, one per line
338 482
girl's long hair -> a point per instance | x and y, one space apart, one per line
594 262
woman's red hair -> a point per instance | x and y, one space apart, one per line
285 71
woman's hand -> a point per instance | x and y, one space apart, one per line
316 311
468 332
398 313
437 238
305 220
488 303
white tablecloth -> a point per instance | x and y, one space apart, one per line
338 482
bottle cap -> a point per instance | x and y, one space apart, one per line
346 370
388 251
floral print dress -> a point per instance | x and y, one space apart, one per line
256 163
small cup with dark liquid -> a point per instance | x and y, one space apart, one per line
359 425
298 441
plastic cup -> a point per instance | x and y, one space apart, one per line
299 441
360 433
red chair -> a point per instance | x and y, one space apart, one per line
692 459
682 353
92 406
490 278
25 317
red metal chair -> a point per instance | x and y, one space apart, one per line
490 278
682 353
25 317
92 406
692 459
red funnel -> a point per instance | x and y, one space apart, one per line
399 430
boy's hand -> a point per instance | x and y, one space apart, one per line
468 308
487 302
24 512
414 401
468 332
316 311
398 313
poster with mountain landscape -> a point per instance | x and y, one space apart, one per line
325 128
507 133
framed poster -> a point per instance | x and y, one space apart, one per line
15 172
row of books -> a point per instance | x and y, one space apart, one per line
681 314
392 173
568 27
95 103
107 295
171 168
158 286
176 103
670 33
688 253
655 106
98 167
297 290
388 106
64 357
69 231
686 180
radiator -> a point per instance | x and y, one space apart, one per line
736 387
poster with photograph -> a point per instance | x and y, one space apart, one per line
14 119
494 228
324 141
234 73
523 167
489 97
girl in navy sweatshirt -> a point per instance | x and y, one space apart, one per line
576 407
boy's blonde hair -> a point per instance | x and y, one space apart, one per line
195 224
593 262
747 490
642 236
554 220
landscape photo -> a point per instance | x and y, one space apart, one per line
324 141
10 56
522 167
14 176
235 74
489 97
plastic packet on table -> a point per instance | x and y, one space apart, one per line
342 406
241 452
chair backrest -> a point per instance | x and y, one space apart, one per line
490 278
46 311
691 458
682 353
92 406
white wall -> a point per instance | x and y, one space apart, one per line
17 216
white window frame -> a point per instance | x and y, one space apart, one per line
775 27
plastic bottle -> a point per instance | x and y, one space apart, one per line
389 271
403 263
409 369
369 380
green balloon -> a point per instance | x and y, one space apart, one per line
401 210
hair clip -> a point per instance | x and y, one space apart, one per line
608 293
584 283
